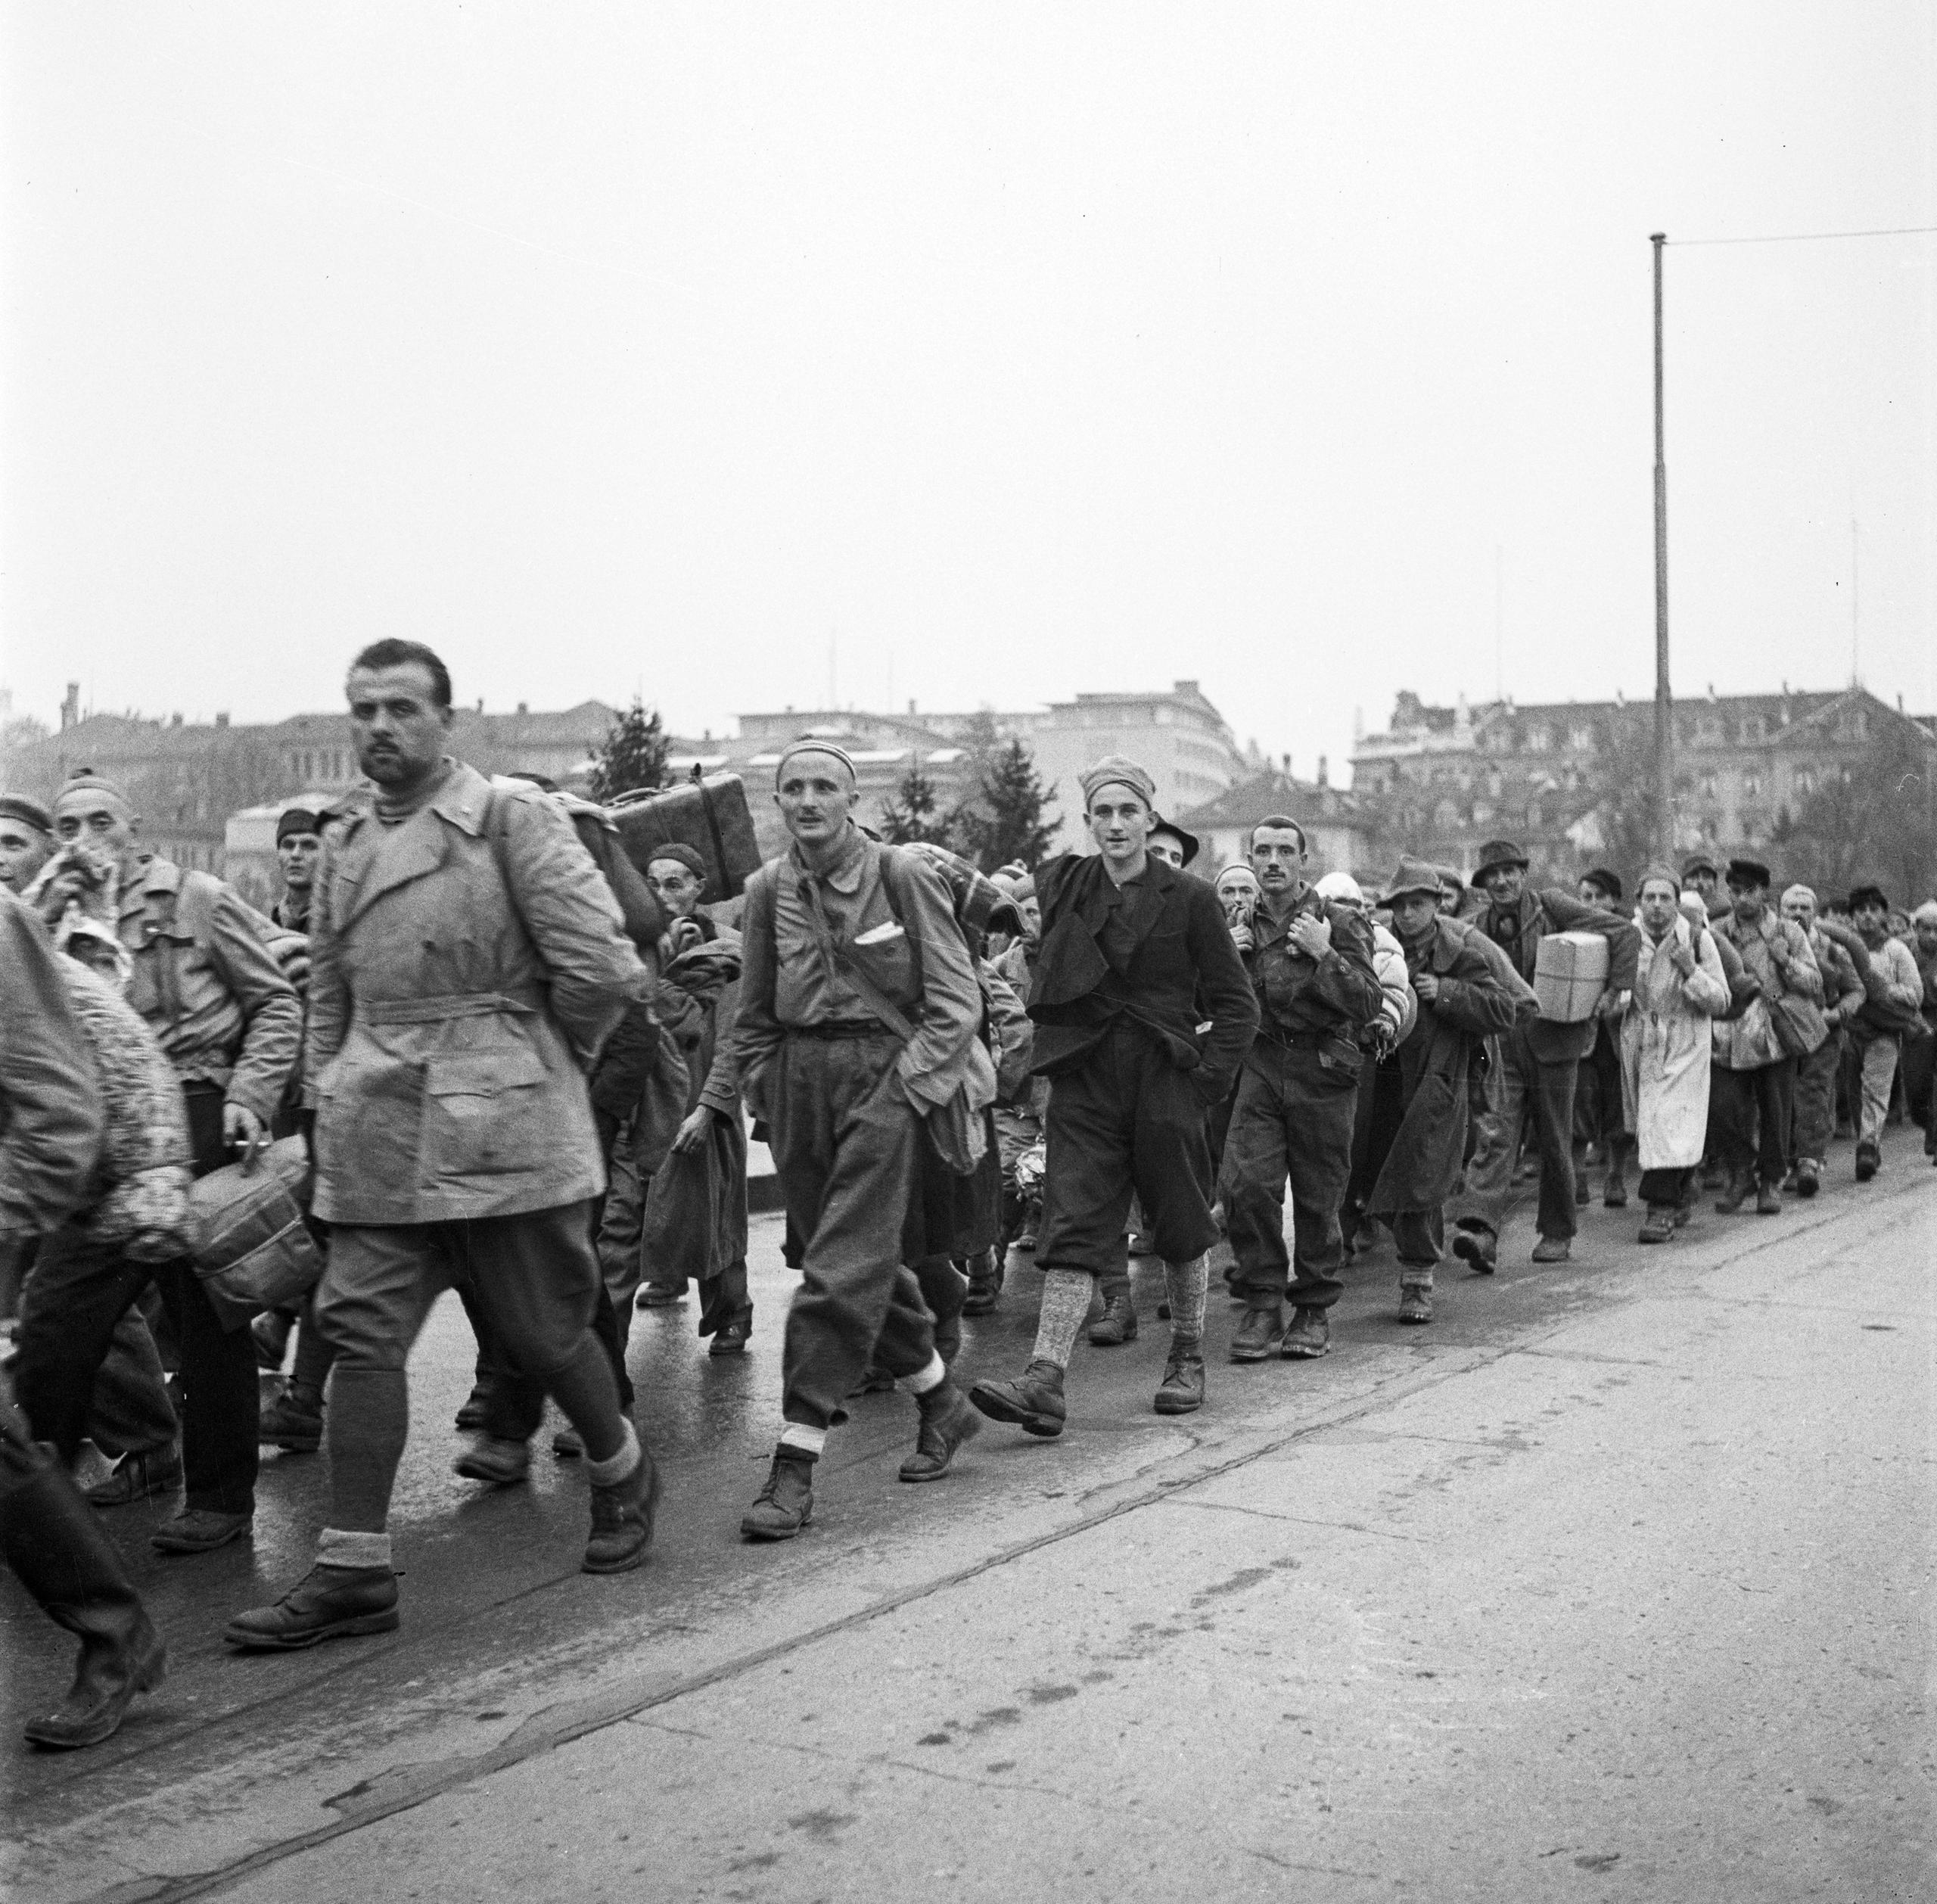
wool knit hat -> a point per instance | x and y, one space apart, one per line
297 819
677 849
1117 769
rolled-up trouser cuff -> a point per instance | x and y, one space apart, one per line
340 1546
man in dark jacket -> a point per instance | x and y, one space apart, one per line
1136 956
1311 965
1537 1062
1468 992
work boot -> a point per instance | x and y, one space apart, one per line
1740 1182
503 1463
329 1603
622 1518
475 1414
140 1476
1583 1191
1614 1191
1552 1249
270 1332
985 1282
1181 1392
199 1530
1789 1182
786 1504
1257 1334
1117 1324
947 1421
1481 1248
1767 1202
1415 1302
1808 1174
731 1338
292 1423
651 1296
1309 1336
1869 1161
1659 1224
56 1544
1034 1404
1684 1211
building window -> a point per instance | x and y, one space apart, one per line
1805 780
1752 786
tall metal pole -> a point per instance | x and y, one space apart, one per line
1664 828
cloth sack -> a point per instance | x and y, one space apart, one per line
253 1250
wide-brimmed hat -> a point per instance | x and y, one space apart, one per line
1188 839
1747 872
1498 852
1413 875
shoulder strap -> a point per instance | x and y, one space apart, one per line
876 1000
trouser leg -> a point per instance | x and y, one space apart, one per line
1879 1071
1320 1106
1418 1236
1775 1104
622 1224
1920 1068
1816 1101
1732 1114
219 1400
844 1145
69 1306
129 1412
1552 1103
1252 1184
1663 1189
378 1287
314 1353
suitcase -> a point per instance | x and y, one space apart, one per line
1570 974
710 816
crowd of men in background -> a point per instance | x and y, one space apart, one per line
522 1067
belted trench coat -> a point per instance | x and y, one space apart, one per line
466 965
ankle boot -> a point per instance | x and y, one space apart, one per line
1181 1392
1741 1184
1117 1324
786 1504
1034 1404
985 1281
622 1519
947 1421
53 1541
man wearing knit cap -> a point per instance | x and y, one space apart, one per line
26 840
859 1016
229 1021
1143 1014
299 841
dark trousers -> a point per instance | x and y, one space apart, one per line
1815 1120
843 1138
1378 1112
1920 1071
1753 1109
1125 1121
1599 1114
1665 1189
1293 1120
79 1293
1545 1093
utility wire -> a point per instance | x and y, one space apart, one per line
1811 238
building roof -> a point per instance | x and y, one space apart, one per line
1272 791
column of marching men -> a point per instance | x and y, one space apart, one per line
524 1068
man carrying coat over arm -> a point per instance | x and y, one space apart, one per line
467 961
1136 956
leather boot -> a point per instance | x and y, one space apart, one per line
1767 1202
947 1421
985 1281
786 1504
1808 1176
53 1541
1181 1392
329 1603
504 1463
1035 1404
1415 1302
1740 1182
1258 1333
1869 1160
291 1423
1309 1335
1660 1227
622 1518
1481 1248
1117 1324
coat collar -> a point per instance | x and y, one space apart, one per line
1158 879
844 875
418 845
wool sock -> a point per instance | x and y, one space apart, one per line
1185 1283
1067 1294
615 1467
805 1443
933 1376
369 1420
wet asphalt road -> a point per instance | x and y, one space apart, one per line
507 1653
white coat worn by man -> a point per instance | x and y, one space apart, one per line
467 960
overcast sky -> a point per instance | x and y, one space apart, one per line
983 354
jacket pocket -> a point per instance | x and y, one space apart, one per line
484 1116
